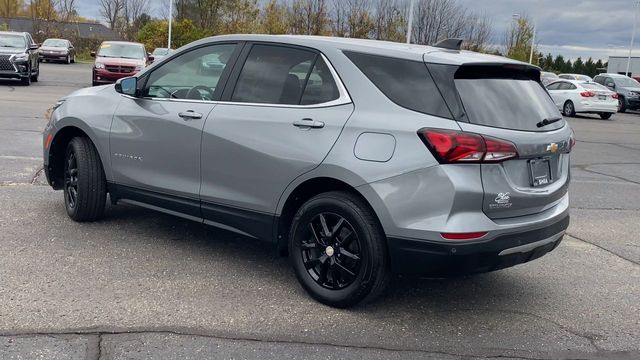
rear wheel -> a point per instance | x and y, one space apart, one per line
568 109
605 116
338 250
85 187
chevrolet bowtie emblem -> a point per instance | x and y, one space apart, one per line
553 147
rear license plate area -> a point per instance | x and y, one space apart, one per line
540 172
602 97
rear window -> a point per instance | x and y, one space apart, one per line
505 97
405 82
593 86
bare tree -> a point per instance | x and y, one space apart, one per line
131 11
478 33
66 9
111 10
309 17
389 20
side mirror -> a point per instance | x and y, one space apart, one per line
127 86
34 47
93 54
150 59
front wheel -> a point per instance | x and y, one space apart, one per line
605 116
622 107
338 250
85 186
26 81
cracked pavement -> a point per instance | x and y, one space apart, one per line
141 285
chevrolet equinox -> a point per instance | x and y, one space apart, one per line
358 158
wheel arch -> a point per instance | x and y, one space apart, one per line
302 191
56 152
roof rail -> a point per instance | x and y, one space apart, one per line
451 44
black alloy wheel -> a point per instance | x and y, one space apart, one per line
71 180
331 252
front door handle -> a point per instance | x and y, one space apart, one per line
308 124
190 115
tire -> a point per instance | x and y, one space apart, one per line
568 109
73 59
34 78
26 81
622 107
605 116
352 264
85 186
68 60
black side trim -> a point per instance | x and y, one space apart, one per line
254 223
440 258
179 204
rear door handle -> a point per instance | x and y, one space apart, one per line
190 115
308 124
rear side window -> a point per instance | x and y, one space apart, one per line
284 75
505 97
554 86
405 82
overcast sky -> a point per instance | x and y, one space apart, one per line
596 28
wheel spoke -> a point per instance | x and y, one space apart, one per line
335 229
315 235
309 245
325 228
345 269
346 240
315 262
349 254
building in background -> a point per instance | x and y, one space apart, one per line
42 29
618 65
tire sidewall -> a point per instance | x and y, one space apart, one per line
361 286
71 148
572 110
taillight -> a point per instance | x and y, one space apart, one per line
614 95
587 94
451 146
463 236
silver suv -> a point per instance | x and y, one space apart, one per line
359 158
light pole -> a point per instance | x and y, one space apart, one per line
170 20
633 35
410 22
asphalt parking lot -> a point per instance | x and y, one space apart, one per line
140 284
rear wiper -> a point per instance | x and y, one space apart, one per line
546 122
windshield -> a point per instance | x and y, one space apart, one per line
12 41
55 43
116 50
626 82
160 51
505 99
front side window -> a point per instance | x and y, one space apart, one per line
194 75
284 75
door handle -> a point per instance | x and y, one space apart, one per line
190 115
308 124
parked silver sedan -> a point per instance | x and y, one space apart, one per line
359 158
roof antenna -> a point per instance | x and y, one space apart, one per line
450 44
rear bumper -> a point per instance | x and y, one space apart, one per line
448 258
597 107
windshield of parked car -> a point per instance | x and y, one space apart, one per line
55 43
12 41
627 82
118 50
161 52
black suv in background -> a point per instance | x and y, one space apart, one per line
19 57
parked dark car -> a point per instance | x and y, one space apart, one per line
627 88
57 50
19 57
118 59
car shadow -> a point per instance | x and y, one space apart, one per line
190 238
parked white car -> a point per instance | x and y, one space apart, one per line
548 77
579 77
573 96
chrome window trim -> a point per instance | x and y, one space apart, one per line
342 99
